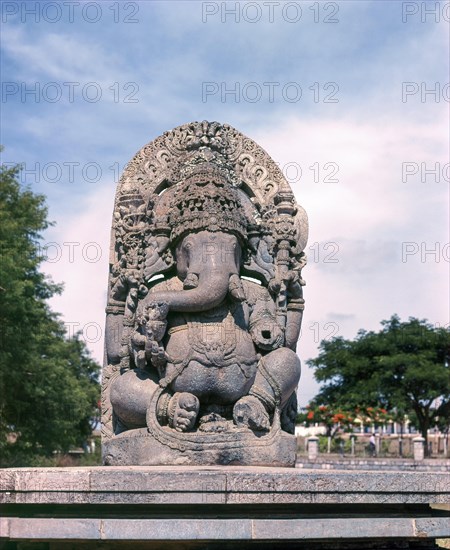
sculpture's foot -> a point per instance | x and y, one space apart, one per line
250 412
183 411
214 423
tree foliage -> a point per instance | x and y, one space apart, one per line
403 368
48 384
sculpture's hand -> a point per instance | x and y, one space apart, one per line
235 288
119 288
275 286
152 320
158 356
293 285
291 280
138 339
131 277
267 334
156 310
155 353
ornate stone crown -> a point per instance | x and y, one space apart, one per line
206 199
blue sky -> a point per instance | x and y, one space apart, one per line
379 218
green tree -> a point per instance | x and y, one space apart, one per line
404 368
49 386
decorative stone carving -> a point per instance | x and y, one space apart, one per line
204 304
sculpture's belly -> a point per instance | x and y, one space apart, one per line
220 362
219 385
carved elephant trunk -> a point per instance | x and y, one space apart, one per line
211 291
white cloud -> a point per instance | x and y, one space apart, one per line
366 215
59 56
79 258
370 198
369 213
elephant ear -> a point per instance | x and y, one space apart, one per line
158 257
139 242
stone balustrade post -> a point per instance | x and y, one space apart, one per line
313 448
419 448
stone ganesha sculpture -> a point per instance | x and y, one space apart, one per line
204 313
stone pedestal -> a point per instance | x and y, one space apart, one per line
241 447
220 507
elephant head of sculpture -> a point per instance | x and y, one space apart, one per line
208 263
208 227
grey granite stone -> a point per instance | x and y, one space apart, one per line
178 529
355 528
382 464
200 364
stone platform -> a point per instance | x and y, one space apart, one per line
221 507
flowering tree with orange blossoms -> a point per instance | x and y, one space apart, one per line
333 419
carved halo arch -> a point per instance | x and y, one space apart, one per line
155 169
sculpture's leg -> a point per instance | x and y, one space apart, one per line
130 396
278 376
276 380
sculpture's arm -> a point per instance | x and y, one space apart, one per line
294 322
119 288
152 321
295 305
